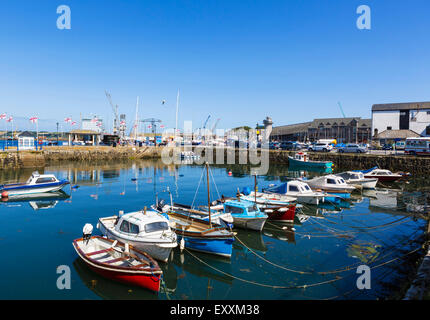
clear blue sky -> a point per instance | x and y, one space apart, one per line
236 60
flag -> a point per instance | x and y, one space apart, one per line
149 127
10 119
2 116
73 123
99 124
34 119
162 126
95 120
122 123
68 120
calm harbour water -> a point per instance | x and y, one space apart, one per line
321 250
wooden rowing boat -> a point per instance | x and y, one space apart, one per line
120 262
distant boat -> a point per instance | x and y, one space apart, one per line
145 230
358 179
294 188
333 185
37 183
301 159
383 175
120 262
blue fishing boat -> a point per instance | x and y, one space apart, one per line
246 214
37 183
301 160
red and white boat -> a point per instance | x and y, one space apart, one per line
383 175
120 262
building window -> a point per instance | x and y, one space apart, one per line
389 128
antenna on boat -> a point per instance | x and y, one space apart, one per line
255 189
209 196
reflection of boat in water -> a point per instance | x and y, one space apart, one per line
280 231
382 198
107 289
39 201
189 263
252 240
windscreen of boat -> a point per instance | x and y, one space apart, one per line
45 180
293 188
341 181
331 181
252 208
307 187
156 226
231 209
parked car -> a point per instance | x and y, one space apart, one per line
353 148
290 145
387 147
320 146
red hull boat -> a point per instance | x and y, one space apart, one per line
117 261
384 175
281 213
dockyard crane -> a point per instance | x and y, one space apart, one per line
115 113
215 124
206 122
341 109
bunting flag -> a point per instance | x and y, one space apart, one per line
73 123
99 124
34 119
149 127
162 126
94 120
10 119
122 123
68 120
2 116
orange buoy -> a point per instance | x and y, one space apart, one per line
5 194
230 173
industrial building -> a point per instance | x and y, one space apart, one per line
344 130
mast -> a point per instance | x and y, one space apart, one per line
255 189
209 197
176 123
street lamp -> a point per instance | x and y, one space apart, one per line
57 133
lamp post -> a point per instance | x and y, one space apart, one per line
57 133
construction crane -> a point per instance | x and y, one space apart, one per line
341 110
153 123
215 124
115 113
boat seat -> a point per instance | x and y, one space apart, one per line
98 252
116 260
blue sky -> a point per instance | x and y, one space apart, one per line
236 60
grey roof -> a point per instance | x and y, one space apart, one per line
291 128
332 122
401 106
397 134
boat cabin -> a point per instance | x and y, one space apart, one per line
301 156
351 175
380 172
141 222
296 187
243 207
37 178
331 180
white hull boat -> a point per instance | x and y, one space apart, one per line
358 179
145 230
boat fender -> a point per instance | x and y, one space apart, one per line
87 231
4 194
182 244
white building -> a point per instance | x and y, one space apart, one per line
413 116
94 124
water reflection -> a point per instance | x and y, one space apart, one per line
38 201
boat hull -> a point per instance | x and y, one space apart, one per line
218 246
24 190
385 178
286 214
310 164
250 223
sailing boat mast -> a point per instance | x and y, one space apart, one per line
255 189
209 196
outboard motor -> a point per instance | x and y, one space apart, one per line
160 205
87 231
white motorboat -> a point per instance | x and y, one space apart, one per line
357 179
330 183
148 231
37 183
297 189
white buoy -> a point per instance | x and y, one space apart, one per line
182 244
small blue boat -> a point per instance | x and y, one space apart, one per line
301 159
246 214
37 183
201 235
